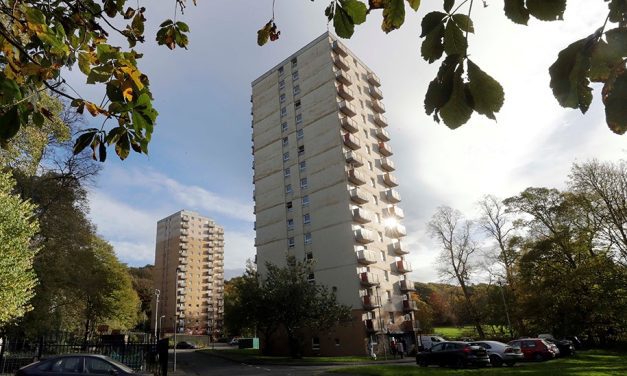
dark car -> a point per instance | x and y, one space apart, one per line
535 349
500 353
186 345
566 347
454 353
76 364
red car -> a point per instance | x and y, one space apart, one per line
535 349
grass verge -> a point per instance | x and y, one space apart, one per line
252 355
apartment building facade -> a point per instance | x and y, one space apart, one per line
189 274
325 191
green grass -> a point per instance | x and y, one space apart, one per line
453 332
248 355
589 363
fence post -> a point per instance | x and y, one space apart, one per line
40 347
3 344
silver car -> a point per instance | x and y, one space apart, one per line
500 353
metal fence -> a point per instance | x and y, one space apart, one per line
140 355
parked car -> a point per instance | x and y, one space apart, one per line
566 347
454 353
500 353
234 341
535 349
427 341
186 345
76 363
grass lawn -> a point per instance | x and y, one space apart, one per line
589 363
255 355
453 332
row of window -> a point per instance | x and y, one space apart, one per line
291 243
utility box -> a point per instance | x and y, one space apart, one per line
248 343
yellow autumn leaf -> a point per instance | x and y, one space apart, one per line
127 93
92 108
135 75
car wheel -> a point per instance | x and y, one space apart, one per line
423 363
537 357
496 361
459 363
510 364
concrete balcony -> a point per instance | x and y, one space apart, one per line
181 276
409 305
184 239
358 197
183 246
387 164
180 299
340 62
366 257
363 236
369 302
354 159
345 92
390 180
181 284
182 253
407 285
375 92
347 108
184 225
372 325
378 106
380 120
356 177
362 215
398 248
403 266
339 48
185 218
368 279
182 262
343 78
385 149
382 134
394 211
351 141
374 79
349 124
180 307
184 232
392 196
396 231
181 291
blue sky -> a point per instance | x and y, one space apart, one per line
200 157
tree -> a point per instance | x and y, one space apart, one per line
17 229
143 285
461 88
456 258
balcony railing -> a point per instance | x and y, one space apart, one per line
358 196
340 61
396 231
385 149
398 248
378 106
390 180
369 302
387 164
347 108
182 253
375 92
356 177
380 120
368 279
351 141
349 124
372 325
184 225
181 291
366 256
182 276
409 305
407 285
392 196
339 48
362 215
185 218
184 232
182 262
382 134
342 77
184 239
345 92
374 79
183 246
393 211
364 236
354 159
403 266
181 284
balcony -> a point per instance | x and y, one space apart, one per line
181 276
390 180
183 246
339 48
368 279
347 108
369 302
372 325
375 92
382 134
374 79
362 216
392 196
387 164
184 225
366 257
380 120
378 106
356 177
184 239
184 232
185 218
182 253
182 262
358 197
396 231
181 284
403 266
351 141
349 124
393 211
181 291
410 326
345 92
180 307
385 149
340 62
342 77
363 236
180 299
407 285
354 159
409 305
398 248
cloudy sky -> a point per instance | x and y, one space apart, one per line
200 154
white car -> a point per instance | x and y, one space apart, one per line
500 353
427 341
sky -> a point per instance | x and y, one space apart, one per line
200 155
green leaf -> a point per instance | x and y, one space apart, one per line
486 92
454 40
83 62
414 4
84 140
430 21
440 89
38 119
102 151
457 110
604 58
343 23
166 23
100 73
547 10
448 5
432 47
393 15
515 10
106 52
618 10
569 80
330 11
463 22
356 10
9 90
182 26
9 124
614 93
122 146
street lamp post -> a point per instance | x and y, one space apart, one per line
157 293
160 325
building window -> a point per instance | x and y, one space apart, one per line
299 134
382 255
387 275
337 342
303 183
286 156
369 165
290 242
290 224
381 238
296 90
281 70
295 76
299 118
305 200
294 62
289 206
282 84
366 133
372 182
378 217
282 98
307 238
302 166
391 316
311 278
301 150
286 172
306 219
388 294
309 256
297 104
288 188
376 199
283 111
285 141
283 126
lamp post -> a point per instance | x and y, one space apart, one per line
157 293
160 326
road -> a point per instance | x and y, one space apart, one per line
191 363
